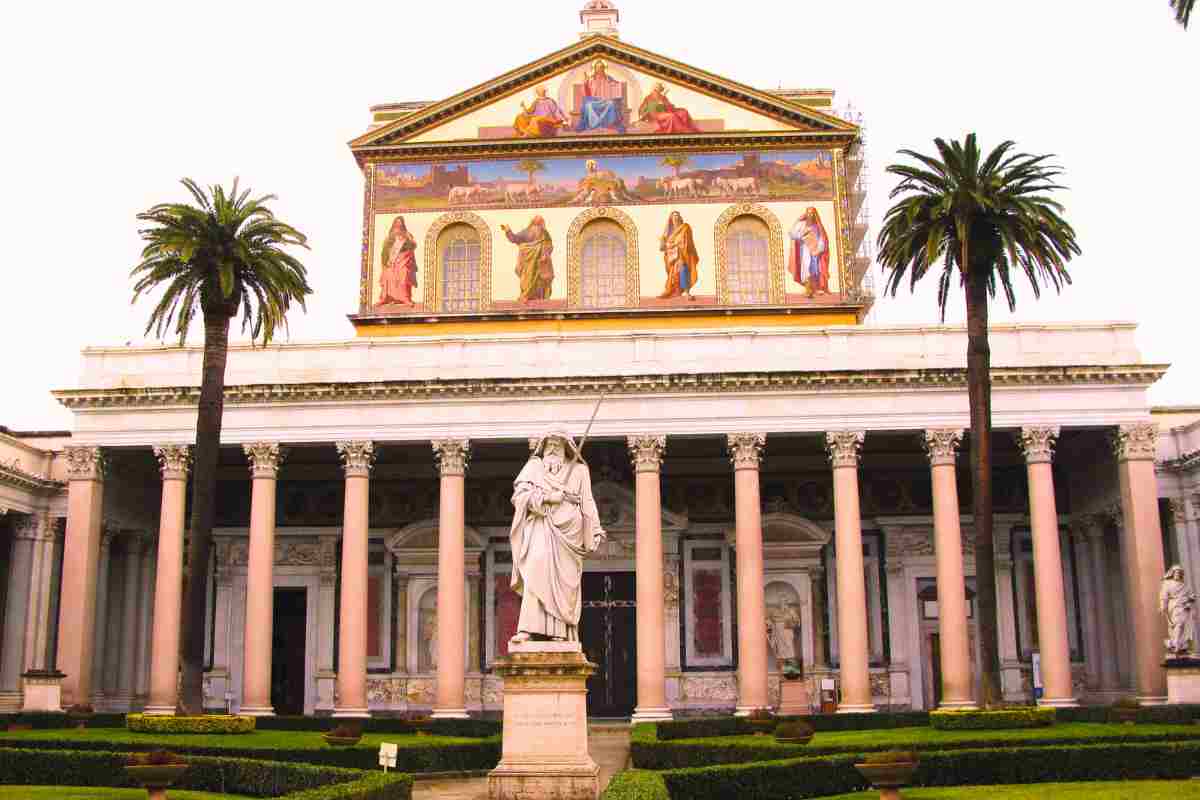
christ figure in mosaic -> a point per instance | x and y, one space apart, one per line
679 257
603 102
534 265
555 524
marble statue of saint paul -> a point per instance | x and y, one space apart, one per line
555 524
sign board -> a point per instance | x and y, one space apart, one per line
827 684
387 755
1037 674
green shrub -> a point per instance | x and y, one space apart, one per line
793 729
650 754
704 727
47 721
207 774
636 785
466 728
1001 719
209 723
415 755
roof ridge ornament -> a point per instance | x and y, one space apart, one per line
599 18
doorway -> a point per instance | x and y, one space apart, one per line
288 654
608 631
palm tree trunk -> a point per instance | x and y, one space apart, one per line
979 397
204 499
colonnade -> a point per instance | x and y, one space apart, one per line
1140 541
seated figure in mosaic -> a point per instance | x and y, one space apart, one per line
555 524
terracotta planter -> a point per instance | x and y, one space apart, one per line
155 778
888 778
340 741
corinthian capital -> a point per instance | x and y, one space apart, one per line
843 447
1137 442
1038 444
647 452
174 460
452 455
84 463
941 444
746 449
37 527
357 458
265 458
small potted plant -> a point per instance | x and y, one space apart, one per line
1124 710
761 721
155 771
346 734
793 732
888 771
80 713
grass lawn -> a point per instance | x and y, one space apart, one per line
1100 790
265 740
930 739
92 793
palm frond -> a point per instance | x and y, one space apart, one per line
1183 11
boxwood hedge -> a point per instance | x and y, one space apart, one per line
467 728
209 723
635 784
43 721
207 774
701 727
997 719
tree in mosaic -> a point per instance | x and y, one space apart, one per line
221 257
979 218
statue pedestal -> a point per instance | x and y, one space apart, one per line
545 744
43 692
1183 680
794 699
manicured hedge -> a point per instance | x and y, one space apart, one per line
415 755
998 719
467 728
1146 715
209 723
816 777
206 774
44 721
635 784
703 727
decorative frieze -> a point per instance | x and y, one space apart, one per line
322 553
746 449
941 444
35 527
844 447
174 460
646 452
357 458
84 463
452 455
1038 444
265 458
1137 442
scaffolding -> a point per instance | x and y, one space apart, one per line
858 189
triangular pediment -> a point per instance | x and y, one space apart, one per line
626 98
618 510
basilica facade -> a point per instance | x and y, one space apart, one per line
673 264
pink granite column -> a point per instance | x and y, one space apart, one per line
265 458
357 458
647 453
81 552
450 701
175 460
942 446
1142 554
1055 647
745 450
853 641
1105 634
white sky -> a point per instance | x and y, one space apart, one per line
107 105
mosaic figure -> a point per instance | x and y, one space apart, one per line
808 260
679 257
543 118
399 276
534 265
603 103
665 115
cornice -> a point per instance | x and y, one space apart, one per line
670 383
12 475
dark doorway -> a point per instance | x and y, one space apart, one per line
935 658
287 650
608 630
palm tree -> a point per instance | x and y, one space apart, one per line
1183 11
981 217
220 256
676 163
530 166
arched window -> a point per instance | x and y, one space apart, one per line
747 266
458 260
602 265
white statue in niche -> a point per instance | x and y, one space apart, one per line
555 524
783 617
1178 602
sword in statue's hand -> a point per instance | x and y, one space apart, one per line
579 449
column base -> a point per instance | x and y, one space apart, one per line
1153 700
449 713
351 713
1058 702
121 702
855 708
651 714
10 702
958 705
159 711
257 711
